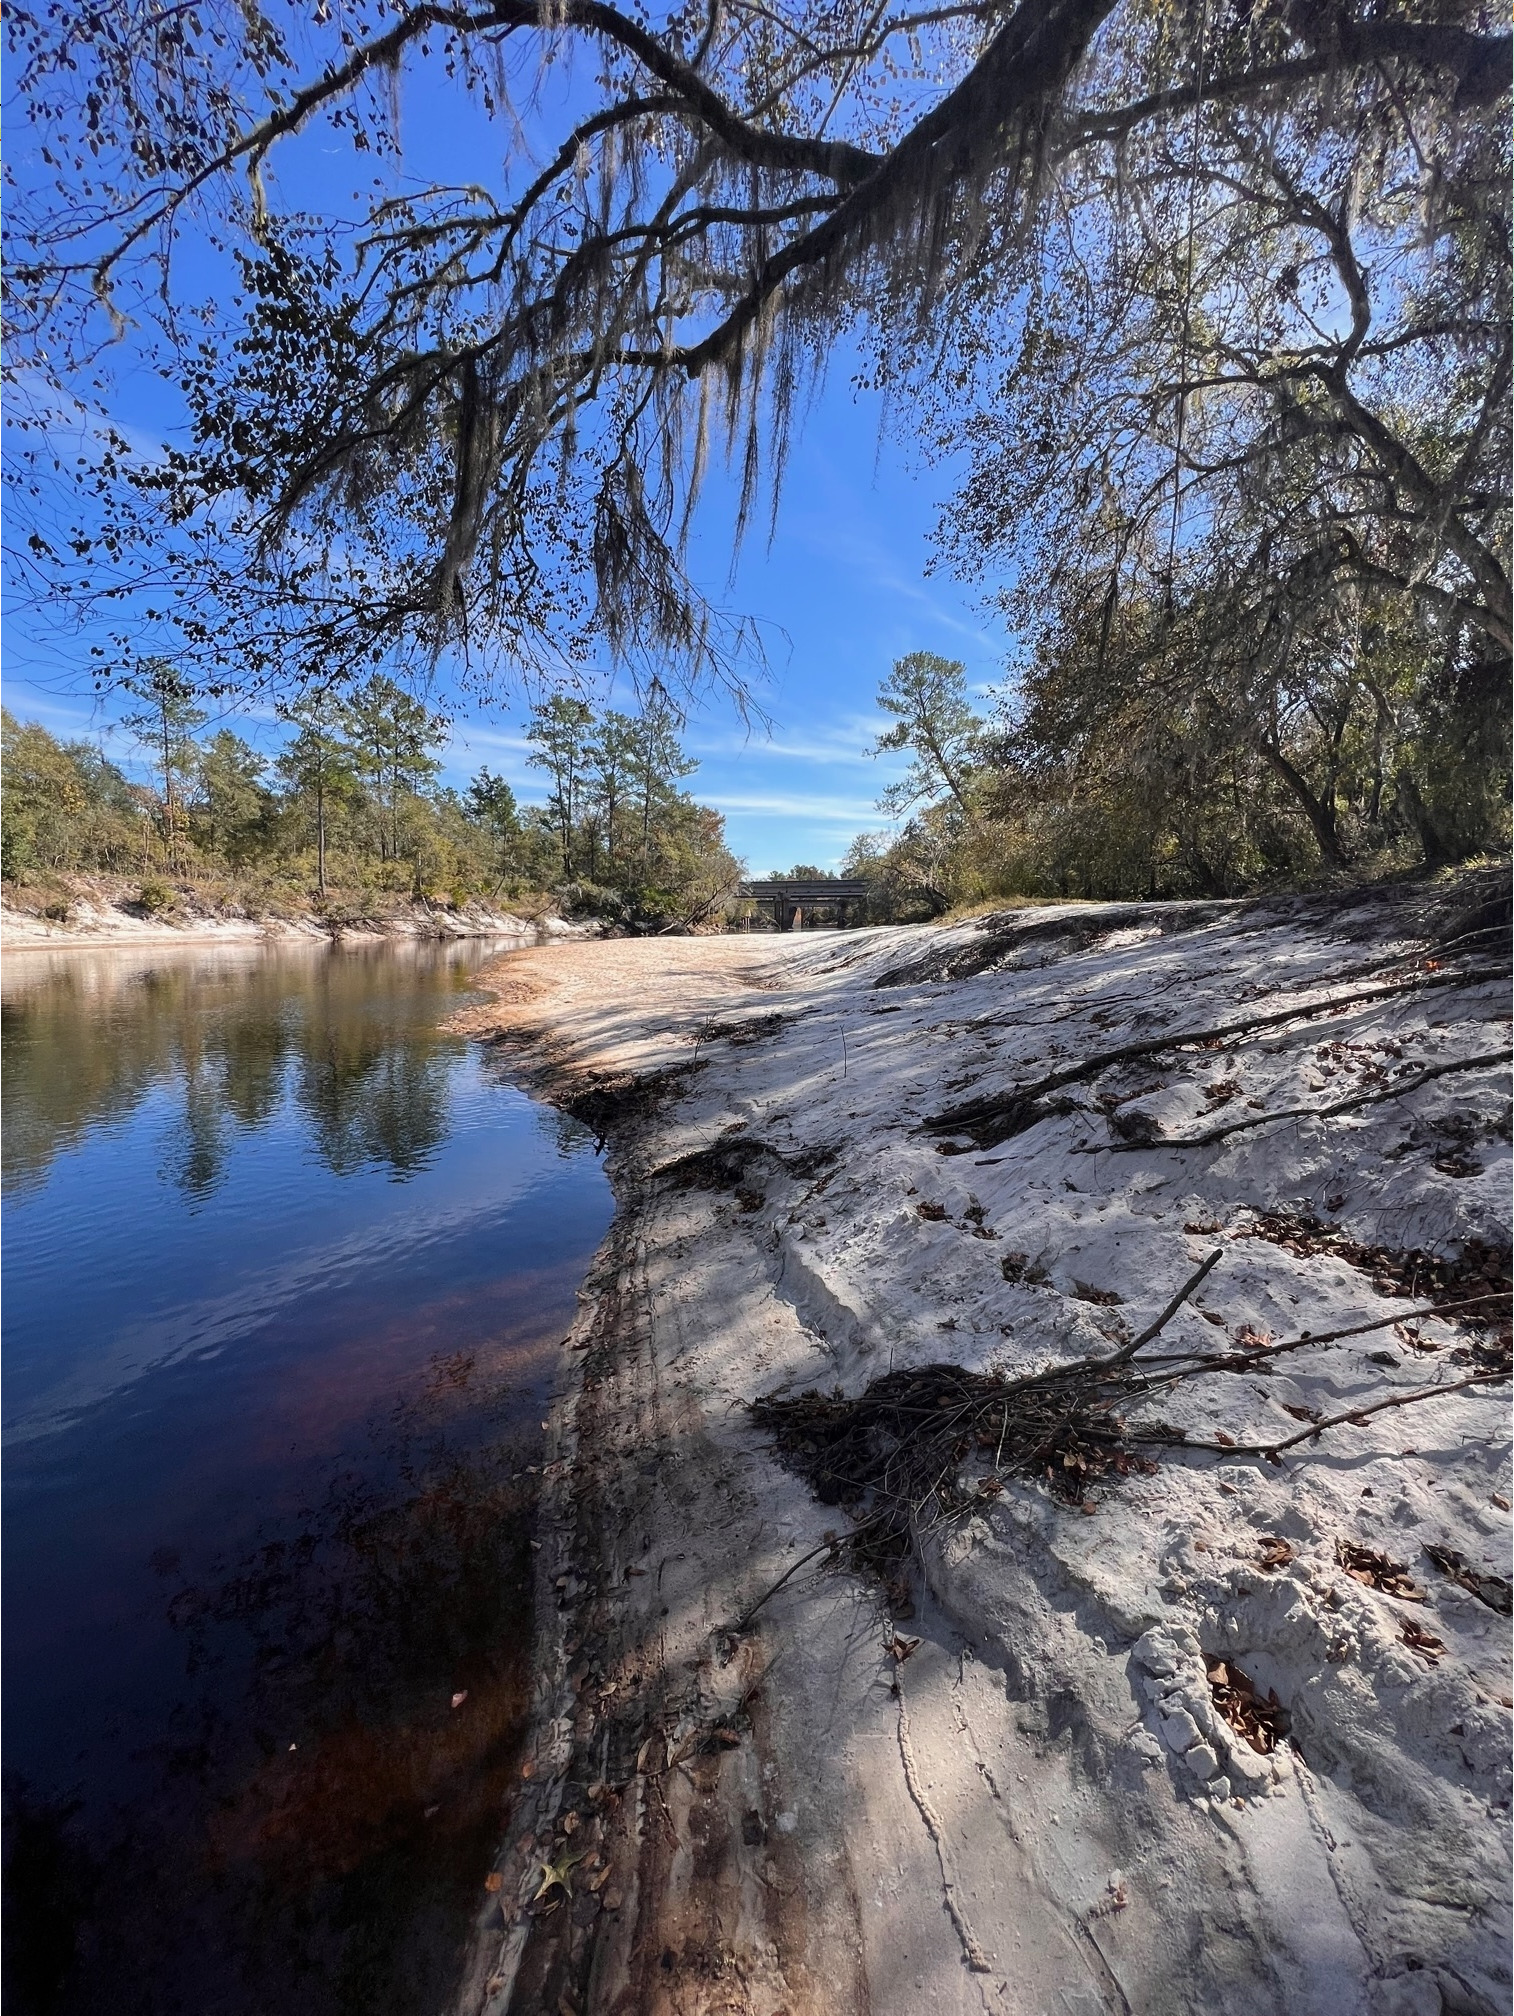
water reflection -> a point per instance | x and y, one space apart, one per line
88 1037
288 1274
321 1809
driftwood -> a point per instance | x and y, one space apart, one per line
1246 1360
831 1547
1001 1115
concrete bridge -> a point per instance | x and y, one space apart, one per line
792 901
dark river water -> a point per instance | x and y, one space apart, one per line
287 1272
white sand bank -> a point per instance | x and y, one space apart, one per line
100 919
1040 1807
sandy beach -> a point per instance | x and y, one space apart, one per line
1187 1689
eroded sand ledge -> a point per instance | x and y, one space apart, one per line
1037 1809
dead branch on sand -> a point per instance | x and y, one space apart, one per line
898 1457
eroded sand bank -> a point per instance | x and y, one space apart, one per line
1003 1779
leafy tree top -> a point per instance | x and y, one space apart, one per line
479 417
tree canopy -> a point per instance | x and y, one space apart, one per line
1249 264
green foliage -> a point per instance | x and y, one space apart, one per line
646 855
232 806
391 736
62 806
559 733
154 897
1150 750
164 726
936 723
351 800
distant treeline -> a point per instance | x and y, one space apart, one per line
351 804
1151 785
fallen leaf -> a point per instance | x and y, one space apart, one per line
1376 1571
557 1875
1260 1722
1490 1589
1104 1298
1424 1642
494 1882
901 1647
1274 1554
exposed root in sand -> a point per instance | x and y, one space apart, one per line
1182 1468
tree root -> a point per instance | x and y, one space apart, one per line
1273 1451
998 1118
1373 1098
892 1456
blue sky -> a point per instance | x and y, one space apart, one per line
842 591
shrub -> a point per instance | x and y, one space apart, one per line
154 897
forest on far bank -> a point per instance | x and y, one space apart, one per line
350 814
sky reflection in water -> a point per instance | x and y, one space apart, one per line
286 1275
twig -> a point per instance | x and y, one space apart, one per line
1360 1099
1008 1105
1221 1361
704 1030
1151 1330
825 1547
1272 1450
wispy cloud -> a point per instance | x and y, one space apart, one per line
854 812
844 741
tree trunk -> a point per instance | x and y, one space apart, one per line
1432 844
168 808
320 832
1320 813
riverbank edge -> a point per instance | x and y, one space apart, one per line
108 927
608 1332
647 1930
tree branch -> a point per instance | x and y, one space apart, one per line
1373 1098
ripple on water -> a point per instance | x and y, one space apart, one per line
287 1270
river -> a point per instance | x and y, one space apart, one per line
287 1271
